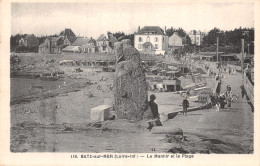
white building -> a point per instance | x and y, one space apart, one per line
151 39
196 37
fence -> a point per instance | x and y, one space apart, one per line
249 89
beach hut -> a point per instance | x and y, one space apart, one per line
172 85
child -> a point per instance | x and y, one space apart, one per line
185 105
217 106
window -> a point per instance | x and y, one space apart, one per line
163 39
156 39
148 39
156 46
140 39
139 46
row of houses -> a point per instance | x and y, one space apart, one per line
67 41
149 39
153 39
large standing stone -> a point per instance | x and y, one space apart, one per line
130 90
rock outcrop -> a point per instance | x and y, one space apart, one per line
130 90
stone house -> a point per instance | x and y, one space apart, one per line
56 44
90 47
82 45
176 43
52 45
176 40
28 42
103 44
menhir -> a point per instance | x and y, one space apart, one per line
130 90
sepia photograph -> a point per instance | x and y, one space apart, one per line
129 82
132 77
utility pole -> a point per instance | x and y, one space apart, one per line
217 49
248 49
184 48
242 61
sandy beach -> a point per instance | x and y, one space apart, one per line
59 121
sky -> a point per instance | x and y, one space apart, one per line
93 19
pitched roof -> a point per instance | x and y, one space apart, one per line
156 30
176 34
72 39
67 32
100 38
81 41
92 41
113 39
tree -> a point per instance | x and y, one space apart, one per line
121 35
231 40
41 39
211 37
14 41
118 34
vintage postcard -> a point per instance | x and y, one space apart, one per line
129 82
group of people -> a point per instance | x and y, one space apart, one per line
220 101
230 70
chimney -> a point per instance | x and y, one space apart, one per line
138 29
165 30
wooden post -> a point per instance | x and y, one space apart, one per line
217 49
242 61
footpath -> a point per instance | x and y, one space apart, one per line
235 125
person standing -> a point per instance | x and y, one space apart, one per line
218 88
185 105
243 91
154 107
229 70
222 101
229 97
